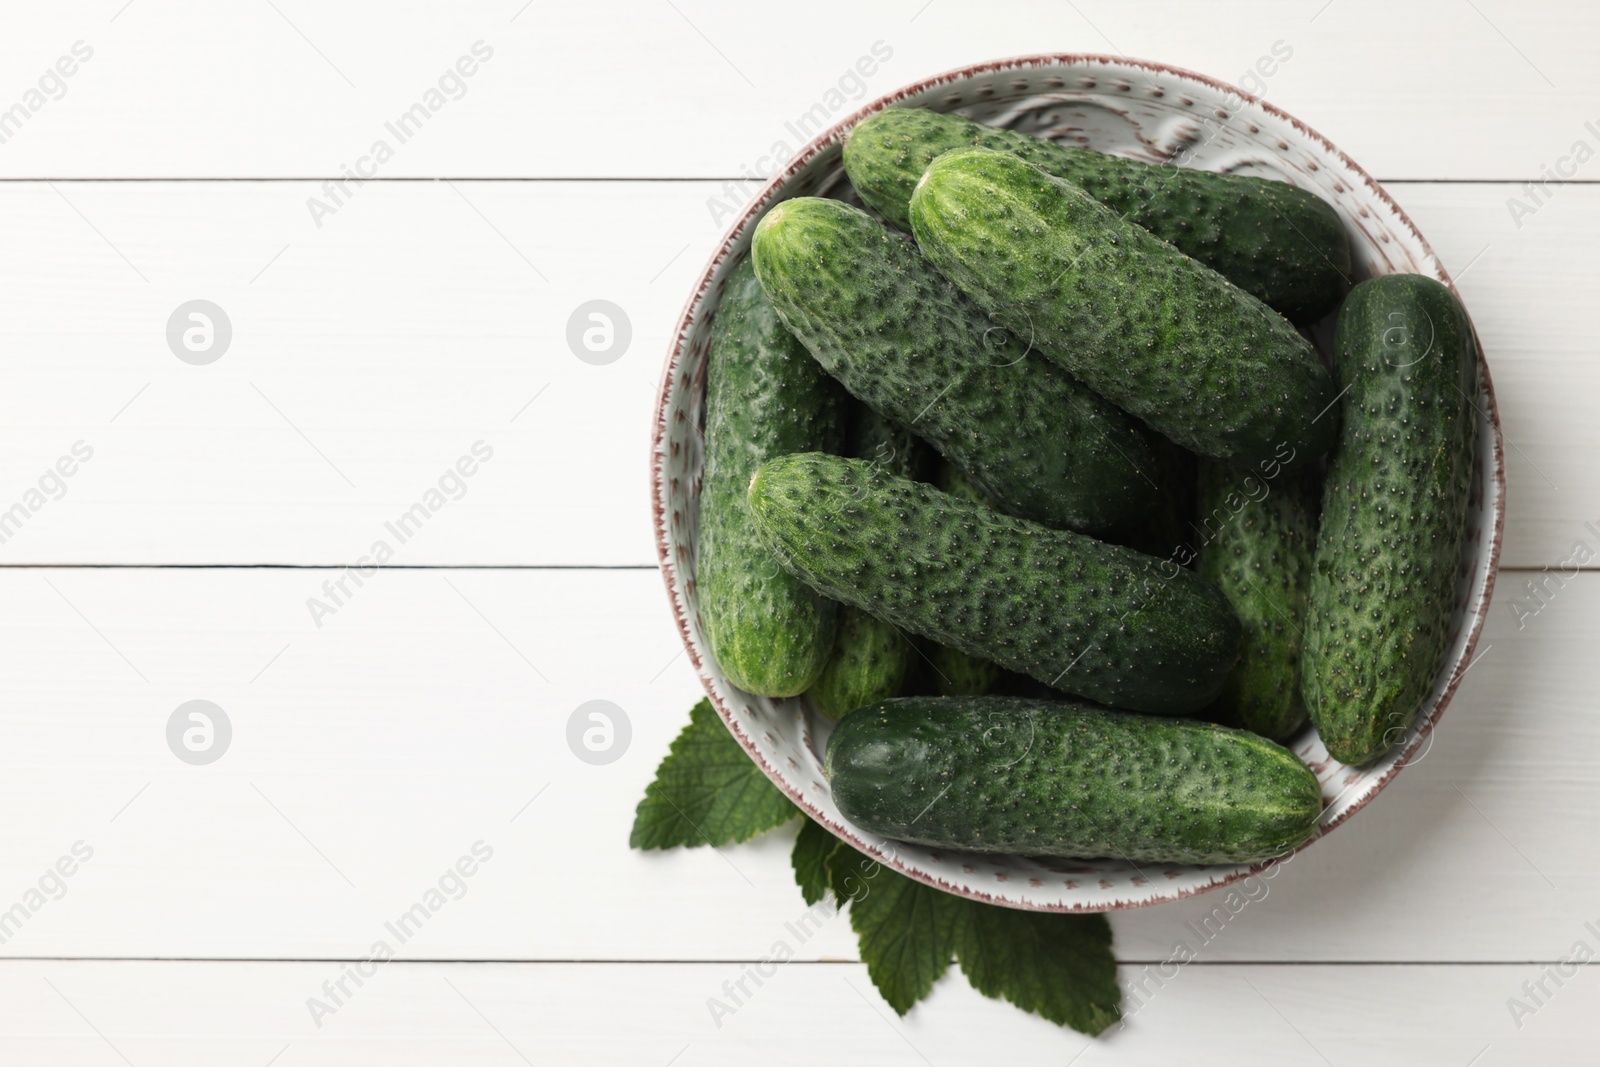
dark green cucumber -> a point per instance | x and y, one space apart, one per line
871 659
1394 508
1048 778
879 318
1259 533
1165 337
765 396
1088 618
1283 245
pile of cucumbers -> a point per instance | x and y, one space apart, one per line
1028 477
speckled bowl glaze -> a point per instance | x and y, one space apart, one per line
1147 111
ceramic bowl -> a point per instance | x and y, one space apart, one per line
1146 111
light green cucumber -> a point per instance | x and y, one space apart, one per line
765 396
1259 533
1150 329
1283 245
1049 778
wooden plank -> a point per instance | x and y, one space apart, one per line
365 362
1525 279
366 359
430 712
696 89
207 1013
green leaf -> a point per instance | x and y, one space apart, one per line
813 847
707 791
1057 966
907 931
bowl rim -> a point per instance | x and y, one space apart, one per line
660 428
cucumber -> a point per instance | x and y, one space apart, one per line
1283 245
1092 619
878 317
765 396
1259 531
1048 778
1165 337
954 672
871 659
1394 508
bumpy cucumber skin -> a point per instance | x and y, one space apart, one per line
1164 336
1051 778
1394 508
871 659
1261 535
954 673
765 396
1088 618
907 343
1283 245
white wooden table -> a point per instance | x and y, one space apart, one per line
594 153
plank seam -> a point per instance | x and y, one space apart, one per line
734 961
618 179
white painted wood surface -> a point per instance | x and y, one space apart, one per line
702 88
655 1014
370 754
367 356
428 712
